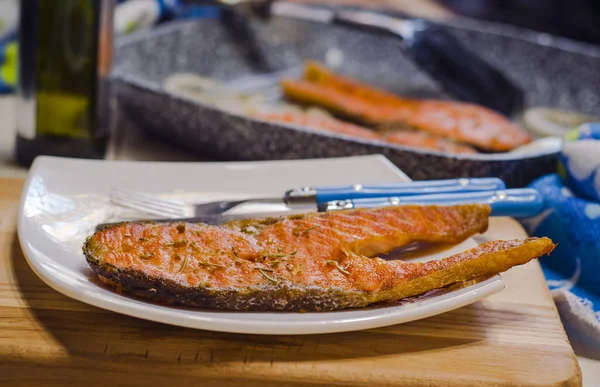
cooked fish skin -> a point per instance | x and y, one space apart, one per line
458 121
300 262
344 103
321 123
487 259
412 138
421 139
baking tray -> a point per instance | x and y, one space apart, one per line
554 72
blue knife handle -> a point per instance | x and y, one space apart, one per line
358 191
523 202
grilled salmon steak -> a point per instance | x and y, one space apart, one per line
458 121
312 262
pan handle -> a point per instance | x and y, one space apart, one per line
461 72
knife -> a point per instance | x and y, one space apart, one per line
460 71
320 195
520 203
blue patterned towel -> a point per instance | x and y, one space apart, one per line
572 219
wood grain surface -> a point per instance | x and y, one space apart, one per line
512 338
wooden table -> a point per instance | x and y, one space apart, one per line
512 338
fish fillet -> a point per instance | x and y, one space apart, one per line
457 121
426 140
302 262
416 139
326 124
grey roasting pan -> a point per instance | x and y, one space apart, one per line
553 72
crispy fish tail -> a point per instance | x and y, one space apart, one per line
484 260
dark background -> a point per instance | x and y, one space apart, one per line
575 19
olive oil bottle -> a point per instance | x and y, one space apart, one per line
65 53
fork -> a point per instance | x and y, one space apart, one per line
172 208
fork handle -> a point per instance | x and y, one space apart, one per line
523 202
359 191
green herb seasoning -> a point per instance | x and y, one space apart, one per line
309 229
337 266
265 275
274 255
250 230
213 265
295 269
183 265
299 232
181 243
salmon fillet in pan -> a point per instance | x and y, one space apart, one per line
417 139
457 121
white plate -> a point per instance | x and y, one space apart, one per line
64 199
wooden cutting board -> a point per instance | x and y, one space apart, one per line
512 338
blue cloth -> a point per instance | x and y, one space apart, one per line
572 219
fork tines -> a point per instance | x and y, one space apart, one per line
151 204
